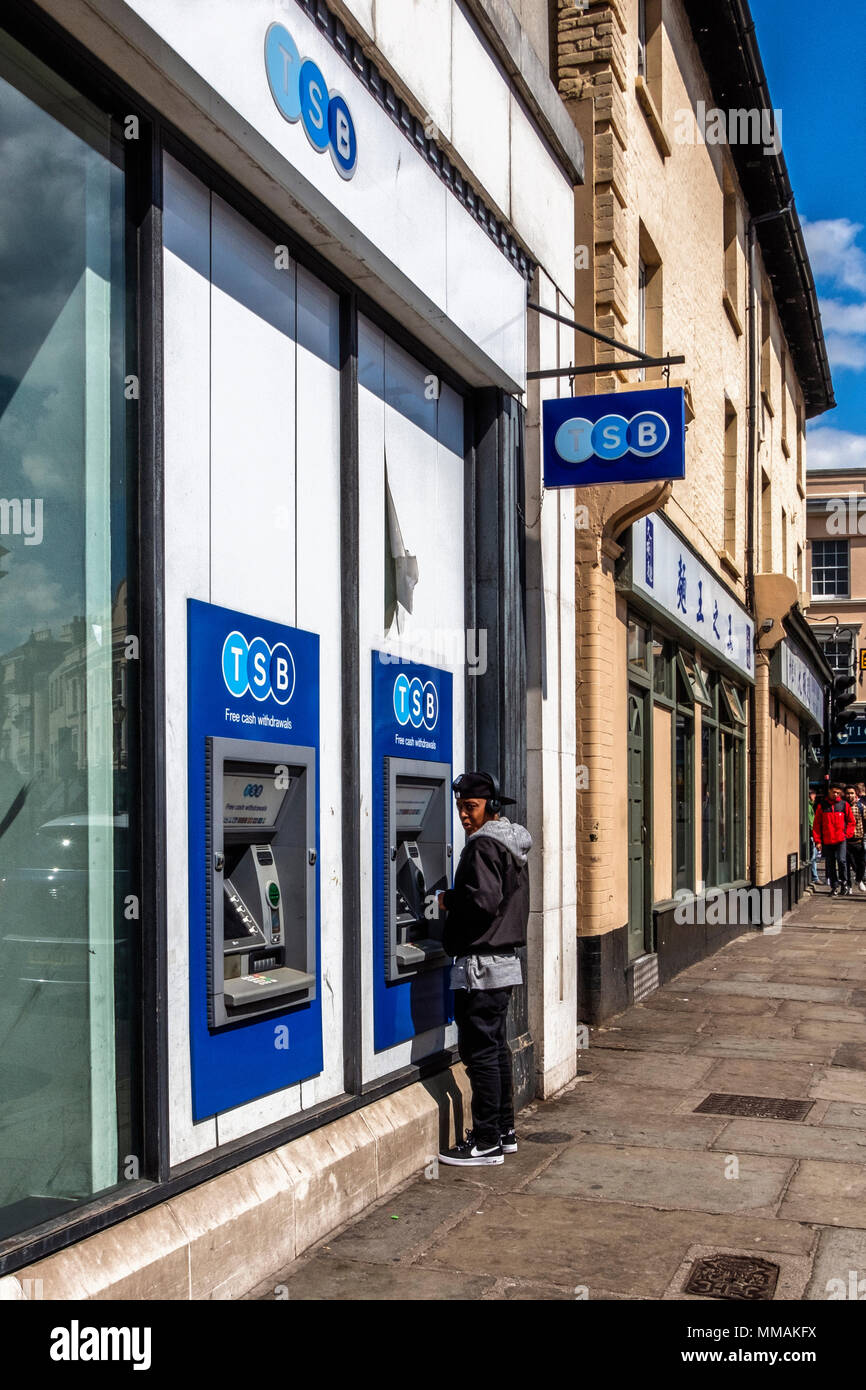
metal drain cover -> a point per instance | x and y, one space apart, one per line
754 1107
548 1136
733 1276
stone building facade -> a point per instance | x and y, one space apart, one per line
687 243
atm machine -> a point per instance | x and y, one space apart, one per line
262 879
418 847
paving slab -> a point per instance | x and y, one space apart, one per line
610 1246
793 1139
832 1031
635 1068
655 1131
818 994
748 1077
748 1026
676 1179
609 1100
839 1271
801 1009
845 1115
840 1083
766 1048
827 1194
851 1055
327 1278
632 1040
405 1222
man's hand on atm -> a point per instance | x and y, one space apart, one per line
441 901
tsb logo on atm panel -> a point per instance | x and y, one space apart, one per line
301 94
416 704
258 668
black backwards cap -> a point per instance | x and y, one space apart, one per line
480 785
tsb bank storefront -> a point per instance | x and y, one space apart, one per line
262 344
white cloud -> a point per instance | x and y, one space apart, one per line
846 352
834 253
843 318
829 448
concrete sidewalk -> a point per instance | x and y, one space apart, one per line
619 1185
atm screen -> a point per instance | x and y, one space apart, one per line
412 803
252 800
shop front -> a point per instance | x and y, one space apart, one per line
259 417
689 671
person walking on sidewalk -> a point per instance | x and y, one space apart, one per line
814 880
856 849
487 912
834 820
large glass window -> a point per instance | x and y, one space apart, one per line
830 563
68 904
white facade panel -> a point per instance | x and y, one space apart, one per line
423 440
480 103
186 435
252 421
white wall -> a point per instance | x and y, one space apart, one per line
423 440
252 522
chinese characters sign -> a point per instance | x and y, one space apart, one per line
668 573
797 678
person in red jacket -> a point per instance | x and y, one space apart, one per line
833 827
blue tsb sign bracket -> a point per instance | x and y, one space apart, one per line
624 437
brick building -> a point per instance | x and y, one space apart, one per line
688 243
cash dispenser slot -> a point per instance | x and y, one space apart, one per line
262 909
418 850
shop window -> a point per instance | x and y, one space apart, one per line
830 569
68 949
638 638
733 703
693 679
663 673
683 800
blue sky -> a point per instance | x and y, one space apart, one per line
815 59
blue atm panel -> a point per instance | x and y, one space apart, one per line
254 891
412 852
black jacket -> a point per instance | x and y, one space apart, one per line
488 907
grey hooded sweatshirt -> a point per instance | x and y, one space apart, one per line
488 907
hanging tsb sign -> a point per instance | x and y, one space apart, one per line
301 93
624 437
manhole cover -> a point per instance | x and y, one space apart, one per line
733 1276
549 1136
755 1107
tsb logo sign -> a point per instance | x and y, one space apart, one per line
301 94
258 668
416 704
612 437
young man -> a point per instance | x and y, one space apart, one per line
487 912
834 821
856 851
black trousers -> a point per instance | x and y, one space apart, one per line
836 864
484 1051
856 862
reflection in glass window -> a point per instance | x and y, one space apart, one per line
637 644
67 945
